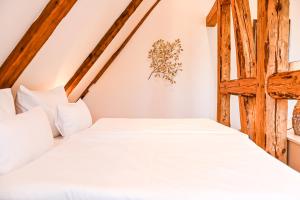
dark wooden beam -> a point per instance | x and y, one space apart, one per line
243 87
101 46
246 62
223 102
285 85
116 53
33 40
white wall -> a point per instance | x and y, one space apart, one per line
68 46
15 18
125 91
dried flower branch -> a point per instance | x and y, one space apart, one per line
165 59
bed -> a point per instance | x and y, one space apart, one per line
153 159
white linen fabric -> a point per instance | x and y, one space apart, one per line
133 159
72 118
23 138
48 100
7 106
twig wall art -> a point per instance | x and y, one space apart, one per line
165 62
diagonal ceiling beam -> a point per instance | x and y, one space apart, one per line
242 87
115 55
101 46
33 40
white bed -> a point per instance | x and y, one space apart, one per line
147 159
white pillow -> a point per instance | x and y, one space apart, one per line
48 100
7 106
23 138
73 117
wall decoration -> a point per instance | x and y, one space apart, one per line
165 61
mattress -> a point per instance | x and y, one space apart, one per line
153 159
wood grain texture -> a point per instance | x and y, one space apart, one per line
276 110
262 57
242 87
116 53
101 46
33 40
246 61
285 85
223 101
212 17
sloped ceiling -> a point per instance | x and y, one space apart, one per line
68 46
15 18
124 90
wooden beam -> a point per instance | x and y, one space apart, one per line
116 53
242 87
212 17
101 46
285 85
33 40
246 63
262 56
223 102
277 61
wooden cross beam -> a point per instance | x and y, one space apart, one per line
33 40
242 87
263 116
285 85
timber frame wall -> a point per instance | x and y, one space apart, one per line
263 83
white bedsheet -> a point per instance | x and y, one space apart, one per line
146 159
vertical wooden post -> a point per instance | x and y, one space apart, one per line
246 60
273 36
262 56
278 26
223 102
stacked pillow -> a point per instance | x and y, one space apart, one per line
23 138
43 115
72 118
65 118
48 100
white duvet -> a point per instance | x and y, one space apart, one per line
146 159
